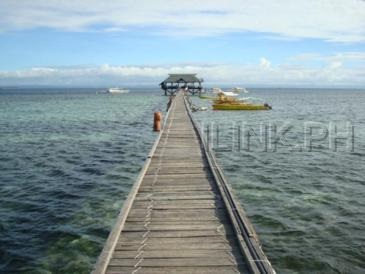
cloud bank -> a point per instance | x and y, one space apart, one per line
334 70
331 20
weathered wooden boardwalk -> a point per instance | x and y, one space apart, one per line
180 216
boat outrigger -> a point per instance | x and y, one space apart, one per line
205 96
229 101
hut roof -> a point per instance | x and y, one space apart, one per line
187 78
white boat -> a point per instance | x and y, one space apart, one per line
229 93
117 90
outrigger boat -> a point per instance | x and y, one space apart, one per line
113 91
117 90
229 101
215 91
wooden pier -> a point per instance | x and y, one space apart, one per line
181 216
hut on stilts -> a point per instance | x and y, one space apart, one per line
174 82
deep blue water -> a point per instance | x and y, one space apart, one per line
68 158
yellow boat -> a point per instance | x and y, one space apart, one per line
243 106
228 101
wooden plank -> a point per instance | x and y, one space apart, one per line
221 213
178 253
163 147
181 164
180 182
186 164
172 192
190 143
225 231
170 241
168 154
175 157
180 176
180 137
185 204
176 188
165 226
176 262
172 219
175 215
174 270
176 196
172 195
176 170
159 181
156 198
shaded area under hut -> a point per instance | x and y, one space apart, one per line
174 82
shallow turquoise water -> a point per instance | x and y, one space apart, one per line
307 206
69 157
68 160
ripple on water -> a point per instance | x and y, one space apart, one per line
92 171
65 173
311 198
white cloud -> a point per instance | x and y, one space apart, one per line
335 65
333 72
333 20
341 57
264 63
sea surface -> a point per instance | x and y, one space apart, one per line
68 158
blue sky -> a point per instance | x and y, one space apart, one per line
311 43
